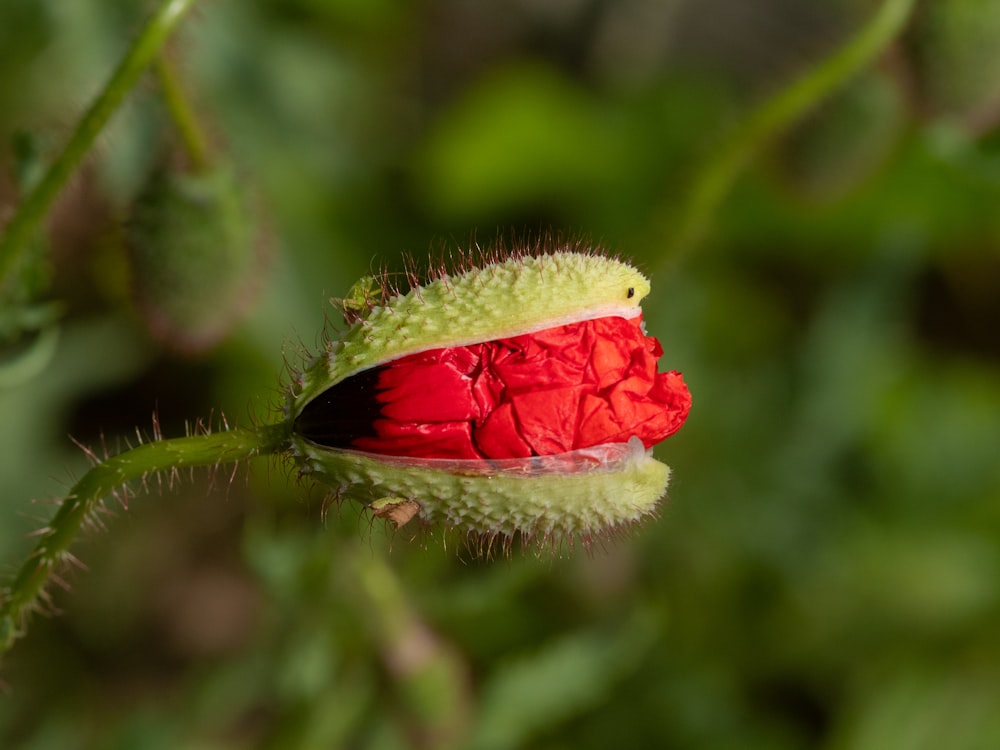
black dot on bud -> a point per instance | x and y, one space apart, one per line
631 292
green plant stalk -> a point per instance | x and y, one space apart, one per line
32 210
51 553
775 114
191 134
427 673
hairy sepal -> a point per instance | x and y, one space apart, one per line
580 495
522 294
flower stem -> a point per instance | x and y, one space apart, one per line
773 115
191 134
51 552
32 210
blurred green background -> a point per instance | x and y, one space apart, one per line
826 571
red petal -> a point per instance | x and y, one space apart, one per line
500 435
435 440
672 392
532 361
564 388
611 358
549 418
434 386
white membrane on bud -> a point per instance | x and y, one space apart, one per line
548 504
609 457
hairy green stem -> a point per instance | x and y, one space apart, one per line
191 134
717 176
32 210
52 548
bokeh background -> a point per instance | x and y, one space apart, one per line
826 571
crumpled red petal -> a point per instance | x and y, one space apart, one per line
565 388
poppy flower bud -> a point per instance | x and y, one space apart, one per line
953 51
519 396
195 253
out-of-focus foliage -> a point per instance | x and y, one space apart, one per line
826 572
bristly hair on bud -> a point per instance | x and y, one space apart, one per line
448 261
506 392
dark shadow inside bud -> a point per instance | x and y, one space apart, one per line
342 413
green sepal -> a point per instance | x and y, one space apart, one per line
519 295
581 494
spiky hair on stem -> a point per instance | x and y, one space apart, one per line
151 462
